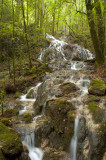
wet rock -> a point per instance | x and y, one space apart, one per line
27 117
68 87
24 156
30 94
11 112
93 99
11 144
50 154
97 113
97 87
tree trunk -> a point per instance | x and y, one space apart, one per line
13 52
26 34
94 36
100 24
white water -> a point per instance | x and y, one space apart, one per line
24 97
57 44
74 140
34 153
77 65
83 53
83 84
29 140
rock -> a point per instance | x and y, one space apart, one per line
5 121
97 113
68 87
11 144
30 94
97 87
58 127
27 117
11 112
24 156
57 110
93 99
50 154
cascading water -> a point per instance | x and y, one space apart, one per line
74 140
57 44
34 153
83 84
29 139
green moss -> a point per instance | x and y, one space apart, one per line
18 94
11 112
9 141
93 99
97 112
27 117
42 69
71 114
5 121
68 87
2 156
30 94
96 83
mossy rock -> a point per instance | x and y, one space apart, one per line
18 94
93 98
68 87
27 117
97 87
30 94
10 142
5 121
2 156
97 112
11 112
42 69
61 115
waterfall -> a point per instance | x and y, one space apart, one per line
34 153
73 146
83 84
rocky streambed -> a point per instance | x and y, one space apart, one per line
60 118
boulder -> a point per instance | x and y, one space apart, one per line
27 117
59 124
10 142
68 87
11 112
97 87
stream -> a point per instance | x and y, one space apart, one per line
82 81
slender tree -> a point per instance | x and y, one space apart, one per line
26 33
